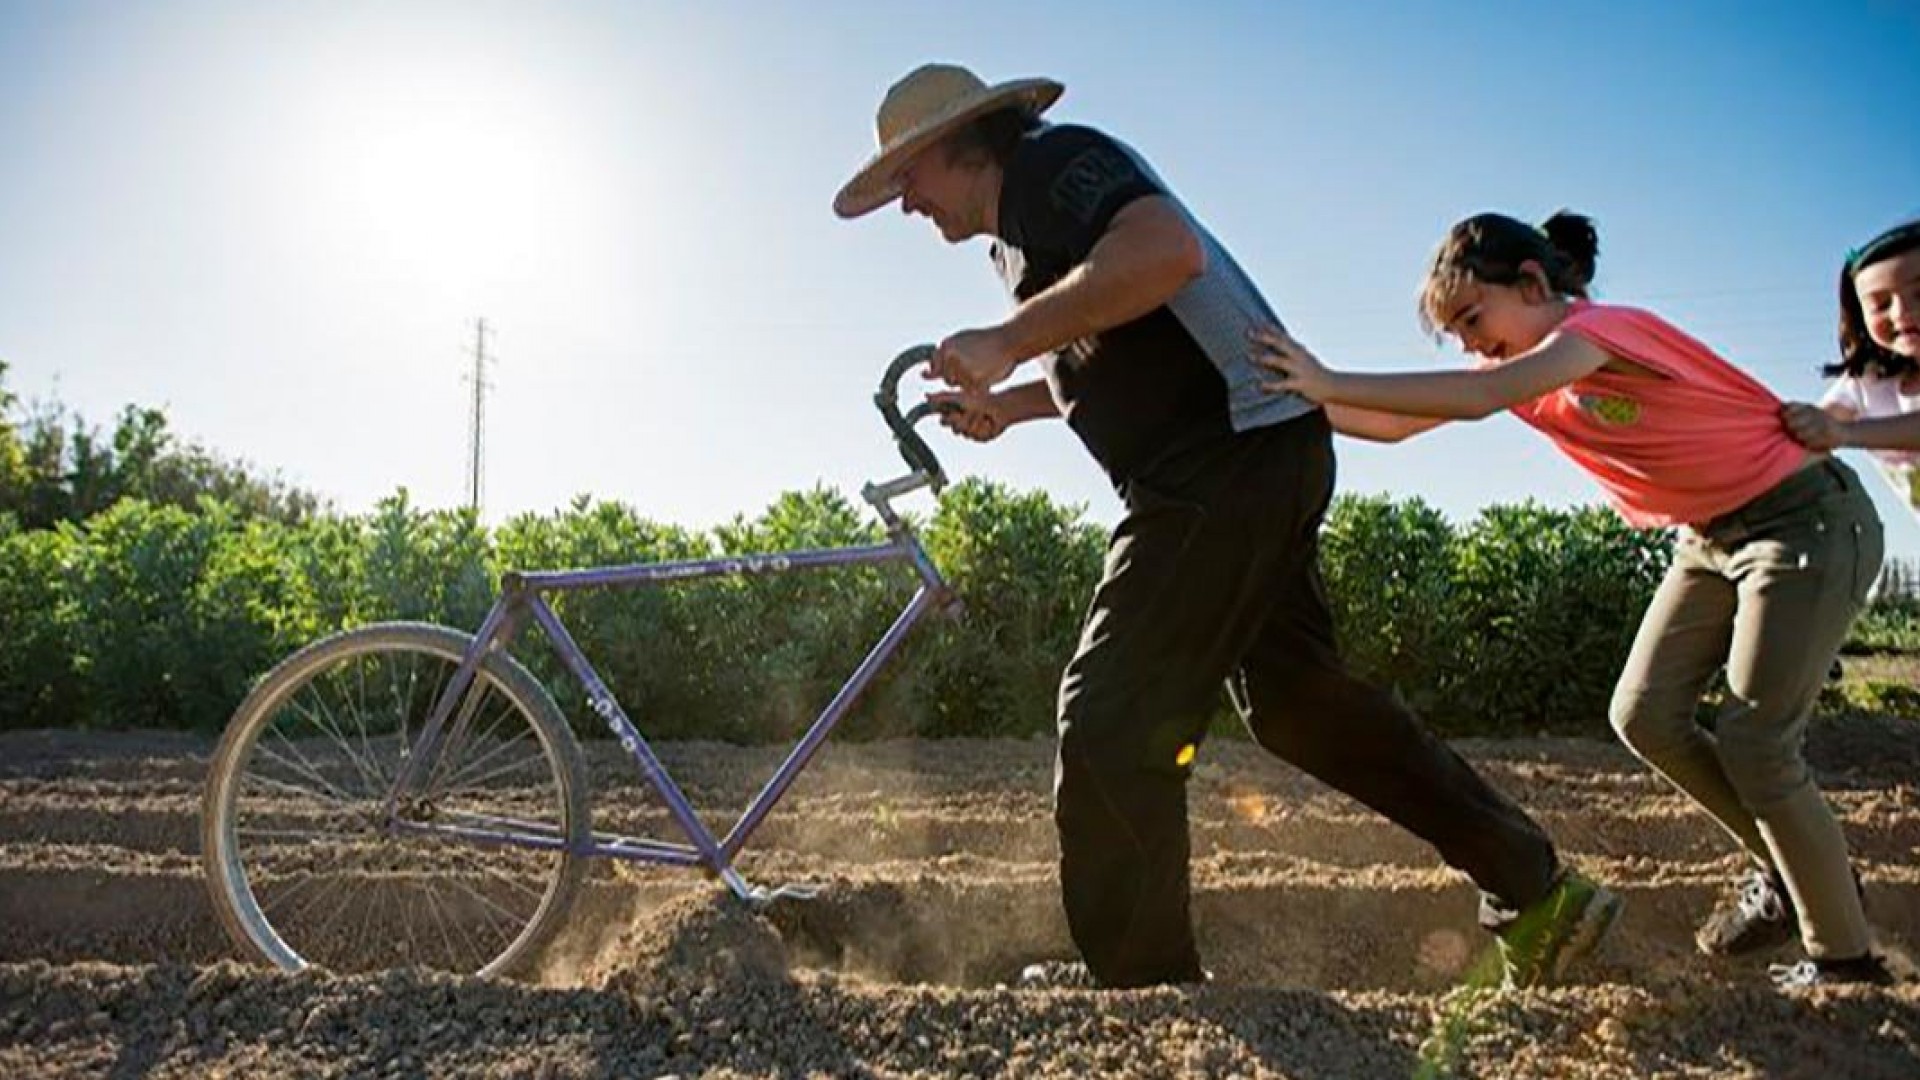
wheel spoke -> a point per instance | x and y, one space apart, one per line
477 863
373 763
304 768
457 733
462 782
440 922
327 887
323 719
282 896
284 834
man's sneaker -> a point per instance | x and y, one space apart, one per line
1538 947
1868 970
1760 918
1073 975
1057 975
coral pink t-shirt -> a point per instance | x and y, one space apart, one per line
1703 439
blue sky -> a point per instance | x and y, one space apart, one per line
279 220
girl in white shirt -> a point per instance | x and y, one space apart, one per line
1874 402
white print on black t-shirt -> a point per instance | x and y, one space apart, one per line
1089 178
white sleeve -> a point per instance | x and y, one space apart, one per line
1845 391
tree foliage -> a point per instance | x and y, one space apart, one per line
55 467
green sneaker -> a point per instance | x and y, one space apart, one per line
1562 927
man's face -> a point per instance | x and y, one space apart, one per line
950 194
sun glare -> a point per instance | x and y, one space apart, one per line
450 176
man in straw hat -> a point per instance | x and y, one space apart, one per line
1139 320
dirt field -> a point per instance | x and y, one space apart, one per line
1335 940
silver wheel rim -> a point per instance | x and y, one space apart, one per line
315 871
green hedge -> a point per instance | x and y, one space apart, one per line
1516 623
155 616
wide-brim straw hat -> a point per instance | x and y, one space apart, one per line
931 101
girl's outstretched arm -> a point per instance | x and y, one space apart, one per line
1819 429
1446 395
1376 426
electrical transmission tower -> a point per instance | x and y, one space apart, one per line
477 423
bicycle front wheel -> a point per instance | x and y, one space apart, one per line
471 870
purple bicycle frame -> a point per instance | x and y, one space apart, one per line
523 596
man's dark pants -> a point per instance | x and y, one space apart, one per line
1213 577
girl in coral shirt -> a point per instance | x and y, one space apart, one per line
1777 551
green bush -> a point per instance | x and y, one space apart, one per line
134 572
251 605
1024 568
1893 699
330 553
429 565
636 639
41 681
1389 570
1515 622
1545 606
178 612
789 641
743 658
1889 625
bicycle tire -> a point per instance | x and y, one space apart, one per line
280 726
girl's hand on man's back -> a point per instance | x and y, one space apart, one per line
1300 371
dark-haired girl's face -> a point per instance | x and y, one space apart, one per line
1889 292
1499 322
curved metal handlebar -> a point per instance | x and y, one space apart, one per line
918 455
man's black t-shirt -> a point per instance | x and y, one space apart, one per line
1134 392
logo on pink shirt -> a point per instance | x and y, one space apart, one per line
1609 410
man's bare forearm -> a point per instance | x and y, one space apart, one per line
1028 401
1147 256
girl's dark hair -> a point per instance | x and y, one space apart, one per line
1491 248
990 138
1859 354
